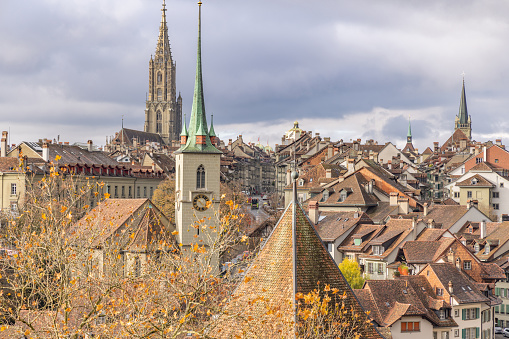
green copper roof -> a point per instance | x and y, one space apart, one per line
212 133
184 128
463 113
409 134
198 123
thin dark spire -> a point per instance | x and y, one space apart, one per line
463 112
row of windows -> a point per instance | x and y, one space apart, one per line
123 191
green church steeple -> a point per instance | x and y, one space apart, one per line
409 134
198 140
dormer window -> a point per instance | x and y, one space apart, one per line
474 181
301 182
357 241
378 250
487 249
476 248
325 195
342 196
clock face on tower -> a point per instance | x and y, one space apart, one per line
200 202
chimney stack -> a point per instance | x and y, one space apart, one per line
89 144
403 205
45 152
4 144
313 212
328 173
393 200
425 209
451 290
483 229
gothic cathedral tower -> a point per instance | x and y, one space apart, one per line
163 113
197 170
462 120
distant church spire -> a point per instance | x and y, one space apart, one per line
409 134
198 140
462 120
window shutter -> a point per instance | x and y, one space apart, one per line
502 308
403 326
463 314
477 332
464 333
477 314
497 291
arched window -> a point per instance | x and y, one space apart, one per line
159 94
159 77
200 177
159 116
159 127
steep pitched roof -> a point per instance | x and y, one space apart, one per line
419 252
9 164
335 224
475 181
141 137
282 265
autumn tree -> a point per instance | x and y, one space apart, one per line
60 280
164 197
352 273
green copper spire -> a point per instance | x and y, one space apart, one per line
198 122
463 113
212 133
184 128
409 134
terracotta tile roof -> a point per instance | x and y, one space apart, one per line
421 252
389 300
431 234
354 186
336 224
483 166
271 277
492 271
362 231
476 180
107 218
380 212
316 175
447 215
77 155
497 238
9 164
165 162
465 290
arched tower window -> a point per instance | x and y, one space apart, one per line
159 94
159 78
159 127
159 115
200 177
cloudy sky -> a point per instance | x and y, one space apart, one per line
345 69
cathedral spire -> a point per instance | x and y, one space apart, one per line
163 50
199 138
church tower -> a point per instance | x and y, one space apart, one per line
197 170
409 147
163 112
462 120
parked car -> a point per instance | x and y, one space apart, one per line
498 330
506 332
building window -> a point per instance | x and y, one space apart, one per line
469 194
301 182
470 333
371 268
378 250
456 313
325 195
440 291
200 177
123 191
476 248
159 94
456 194
137 266
116 191
495 206
145 191
357 241
151 191
13 189
467 265
496 194
138 192
14 206
159 77
410 326
501 184
380 268
478 160
130 191
456 333
469 313
445 335
159 127
496 161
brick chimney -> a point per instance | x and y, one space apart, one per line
4 144
313 212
